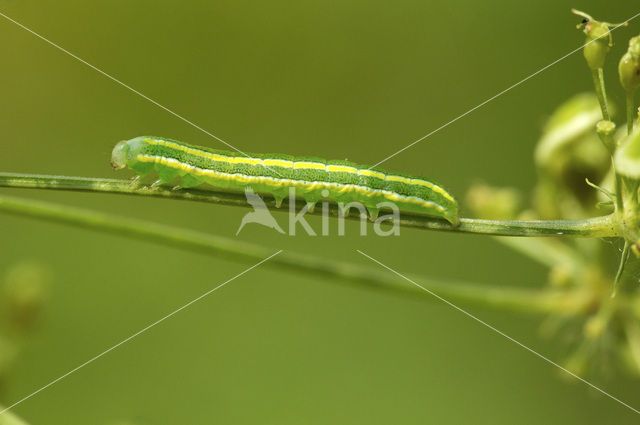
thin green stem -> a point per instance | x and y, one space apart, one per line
623 261
618 188
598 82
610 143
496 297
631 111
596 227
604 226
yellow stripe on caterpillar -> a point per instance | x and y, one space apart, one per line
243 178
303 165
277 163
368 173
341 169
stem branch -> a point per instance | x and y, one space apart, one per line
630 112
604 226
623 261
495 297
598 82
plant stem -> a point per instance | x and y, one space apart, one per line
596 227
630 112
591 227
498 297
623 261
598 82
618 187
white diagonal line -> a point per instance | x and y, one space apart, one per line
465 312
136 334
128 87
503 91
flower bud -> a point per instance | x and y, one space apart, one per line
596 51
606 130
629 66
598 41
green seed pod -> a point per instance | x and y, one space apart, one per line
629 66
598 41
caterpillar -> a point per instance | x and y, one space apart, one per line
313 178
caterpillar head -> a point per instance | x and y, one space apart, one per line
119 155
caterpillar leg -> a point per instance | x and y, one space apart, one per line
166 174
279 195
189 180
373 213
279 200
135 182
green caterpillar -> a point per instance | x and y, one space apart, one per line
313 178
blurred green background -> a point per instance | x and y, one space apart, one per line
348 79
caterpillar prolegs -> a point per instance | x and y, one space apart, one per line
274 174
